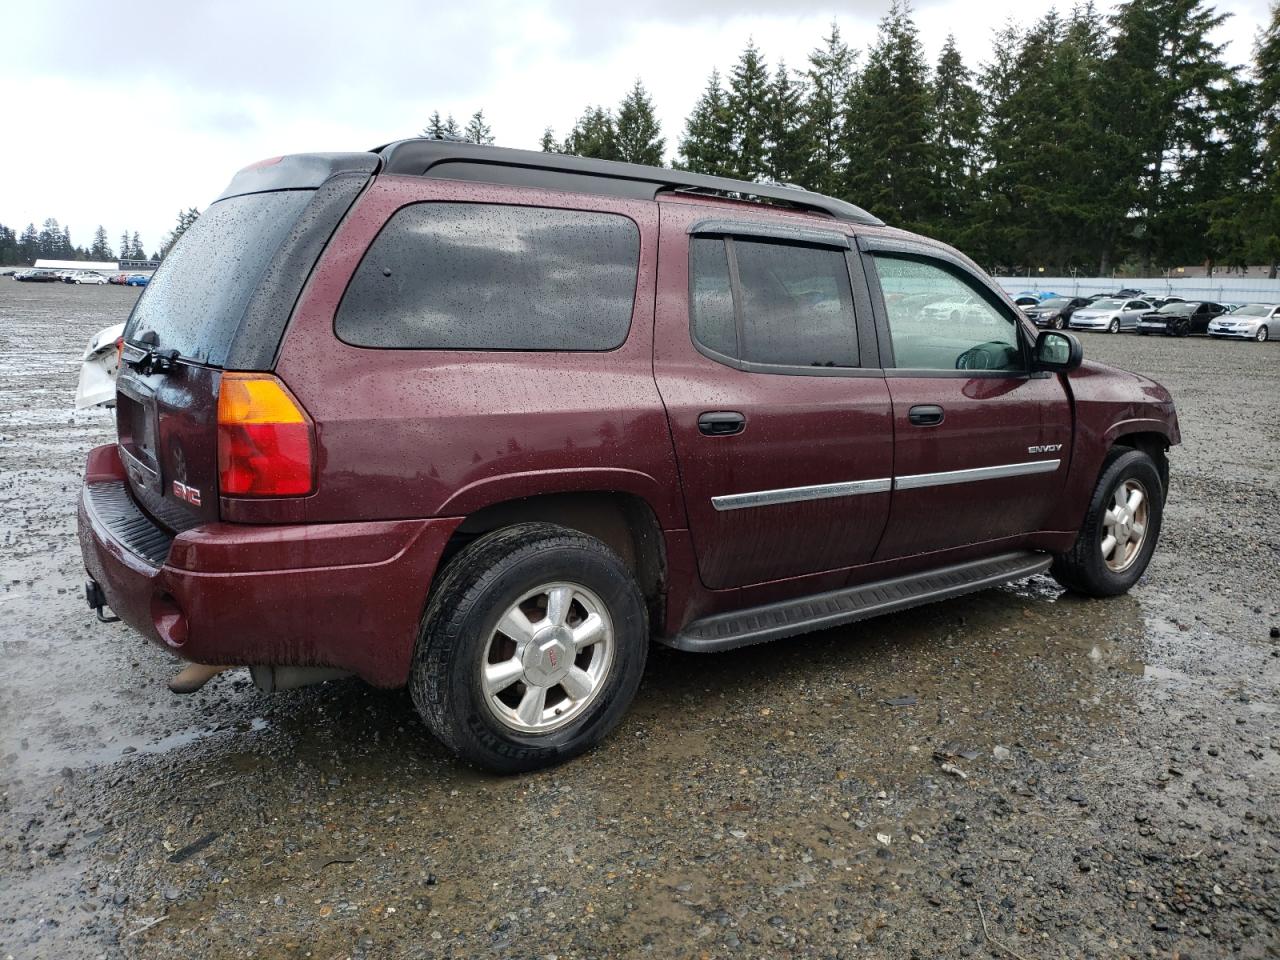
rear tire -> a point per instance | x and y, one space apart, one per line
1089 567
497 720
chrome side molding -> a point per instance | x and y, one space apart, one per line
915 481
822 491
852 488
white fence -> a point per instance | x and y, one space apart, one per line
1221 289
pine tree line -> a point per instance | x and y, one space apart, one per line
1086 142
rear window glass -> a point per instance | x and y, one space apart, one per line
196 299
466 276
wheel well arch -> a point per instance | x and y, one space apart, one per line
1153 444
626 523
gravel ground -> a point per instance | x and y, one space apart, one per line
1120 758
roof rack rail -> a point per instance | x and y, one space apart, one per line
450 160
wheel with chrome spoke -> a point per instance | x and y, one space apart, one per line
1120 529
531 648
1124 525
548 657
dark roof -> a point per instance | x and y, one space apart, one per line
452 160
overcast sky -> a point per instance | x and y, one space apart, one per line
124 114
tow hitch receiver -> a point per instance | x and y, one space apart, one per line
96 599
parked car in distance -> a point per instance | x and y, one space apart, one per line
1251 321
89 276
99 367
1024 300
118 279
1113 315
690 434
137 280
1180 319
1056 311
1158 302
37 276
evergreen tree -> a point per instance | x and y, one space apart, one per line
1265 209
135 248
956 141
594 135
65 247
829 76
185 219
50 240
889 127
1165 80
549 143
124 246
477 130
707 144
434 130
101 249
638 134
748 107
786 136
29 244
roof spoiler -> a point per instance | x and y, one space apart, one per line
298 171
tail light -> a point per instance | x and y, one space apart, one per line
266 441
119 350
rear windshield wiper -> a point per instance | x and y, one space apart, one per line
154 360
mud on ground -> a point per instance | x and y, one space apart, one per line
1121 758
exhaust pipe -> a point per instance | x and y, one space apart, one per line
271 679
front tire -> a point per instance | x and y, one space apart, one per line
1120 529
1059 324
1261 335
531 649
1115 326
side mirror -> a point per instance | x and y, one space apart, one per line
1057 352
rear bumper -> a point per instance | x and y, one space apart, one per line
346 595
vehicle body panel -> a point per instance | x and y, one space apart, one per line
98 369
406 433
801 431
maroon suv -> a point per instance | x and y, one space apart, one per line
485 422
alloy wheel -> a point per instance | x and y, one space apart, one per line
1124 526
548 658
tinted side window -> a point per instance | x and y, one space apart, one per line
464 276
711 297
797 306
937 321
795 303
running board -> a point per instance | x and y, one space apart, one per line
773 621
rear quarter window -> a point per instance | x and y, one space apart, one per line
468 276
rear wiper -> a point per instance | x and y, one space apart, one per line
154 360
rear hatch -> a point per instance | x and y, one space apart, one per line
220 301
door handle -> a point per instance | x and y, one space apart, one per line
925 415
721 423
